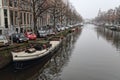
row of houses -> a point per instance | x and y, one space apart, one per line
14 19
109 17
16 16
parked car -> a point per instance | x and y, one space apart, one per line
30 35
42 33
58 27
66 27
113 28
3 41
19 38
51 32
70 26
62 27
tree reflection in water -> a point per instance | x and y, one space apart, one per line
47 69
112 37
52 71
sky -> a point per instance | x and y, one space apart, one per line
89 8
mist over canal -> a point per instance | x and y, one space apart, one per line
93 53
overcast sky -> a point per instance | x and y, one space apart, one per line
90 8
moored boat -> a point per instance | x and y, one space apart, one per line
20 59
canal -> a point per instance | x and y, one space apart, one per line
92 53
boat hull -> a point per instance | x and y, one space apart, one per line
25 63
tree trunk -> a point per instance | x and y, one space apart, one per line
54 20
34 20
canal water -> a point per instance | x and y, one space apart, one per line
91 53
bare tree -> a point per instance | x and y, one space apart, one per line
112 16
37 7
55 11
57 8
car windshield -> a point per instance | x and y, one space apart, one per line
42 31
22 35
30 33
58 26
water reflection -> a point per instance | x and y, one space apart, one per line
52 71
112 37
48 69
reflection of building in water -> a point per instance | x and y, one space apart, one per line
111 36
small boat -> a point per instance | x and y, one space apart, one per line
30 56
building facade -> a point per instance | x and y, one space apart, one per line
16 16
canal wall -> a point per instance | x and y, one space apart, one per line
5 57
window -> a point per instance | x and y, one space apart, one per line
28 18
15 3
17 30
5 2
6 22
31 19
5 12
5 18
24 18
16 17
21 30
0 32
11 17
11 3
21 19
